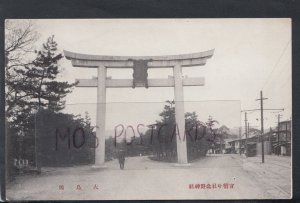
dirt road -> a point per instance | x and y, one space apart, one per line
222 175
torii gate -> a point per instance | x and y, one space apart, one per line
140 64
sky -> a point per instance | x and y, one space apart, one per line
250 55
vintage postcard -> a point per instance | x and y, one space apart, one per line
148 109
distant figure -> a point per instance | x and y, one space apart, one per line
121 159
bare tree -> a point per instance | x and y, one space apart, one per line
20 37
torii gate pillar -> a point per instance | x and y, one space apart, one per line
179 115
101 115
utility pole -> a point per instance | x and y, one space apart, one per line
248 129
240 134
248 134
262 121
262 126
246 147
286 132
278 134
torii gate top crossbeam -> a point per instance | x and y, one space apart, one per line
93 61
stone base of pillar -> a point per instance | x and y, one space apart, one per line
182 165
103 166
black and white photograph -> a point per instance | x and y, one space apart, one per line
148 109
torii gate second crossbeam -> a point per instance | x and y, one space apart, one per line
102 62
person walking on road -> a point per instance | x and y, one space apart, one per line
121 158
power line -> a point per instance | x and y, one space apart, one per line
260 109
285 83
277 62
280 76
163 102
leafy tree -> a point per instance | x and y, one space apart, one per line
87 121
164 135
32 90
166 132
20 36
254 132
62 139
45 90
211 123
224 130
37 85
